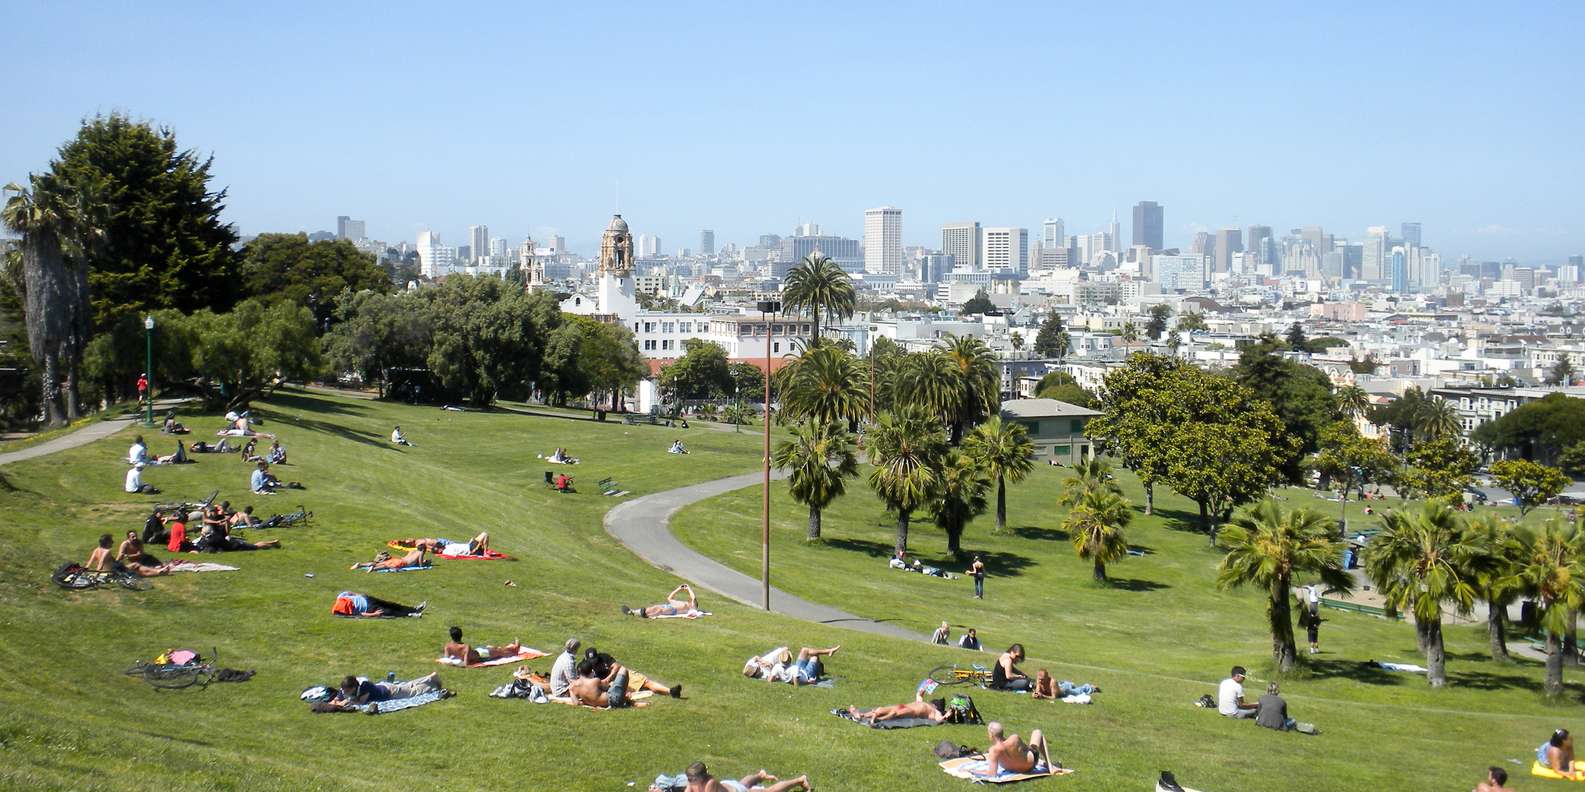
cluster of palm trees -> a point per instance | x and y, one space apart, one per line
934 440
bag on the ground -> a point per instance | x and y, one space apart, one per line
961 709
1205 701
947 749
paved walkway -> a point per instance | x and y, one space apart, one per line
97 430
644 526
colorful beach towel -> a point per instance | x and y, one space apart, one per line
397 705
974 769
523 654
182 565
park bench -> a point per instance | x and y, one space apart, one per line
1354 607
634 419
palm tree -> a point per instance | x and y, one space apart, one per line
51 294
1017 340
929 380
1498 579
1096 526
960 496
1438 419
819 459
1088 475
1267 548
1552 570
1353 401
905 450
1420 561
978 379
824 385
817 284
1004 450
1130 333
1063 344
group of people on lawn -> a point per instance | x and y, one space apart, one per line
170 529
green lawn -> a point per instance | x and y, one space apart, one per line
69 719
1157 638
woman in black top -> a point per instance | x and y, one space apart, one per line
1005 675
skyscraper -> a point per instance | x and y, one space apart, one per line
479 240
1203 245
1373 258
1400 270
1052 234
883 240
1257 240
707 242
348 228
1006 250
1411 235
434 259
1113 243
1228 242
962 242
1149 219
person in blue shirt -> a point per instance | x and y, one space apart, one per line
262 483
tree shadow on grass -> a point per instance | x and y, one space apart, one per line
998 564
1180 520
1035 532
1485 680
310 402
1134 584
316 425
1357 670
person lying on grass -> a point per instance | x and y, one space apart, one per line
472 655
934 709
355 693
1046 687
777 665
602 666
131 554
351 603
243 519
673 607
217 538
1557 754
451 548
1012 754
594 691
1005 674
384 560
700 780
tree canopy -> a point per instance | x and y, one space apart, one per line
701 373
980 303
1300 394
1540 430
288 267
1531 483
1046 340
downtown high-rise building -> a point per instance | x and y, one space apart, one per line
1053 234
1149 225
1006 250
1259 241
1373 258
1114 243
1228 242
497 249
1411 235
707 242
348 228
435 260
479 240
1399 259
962 242
648 246
883 240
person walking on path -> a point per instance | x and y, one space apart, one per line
977 571
143 386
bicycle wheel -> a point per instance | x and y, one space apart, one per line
76 581
132 582
171 677
138 670
948 675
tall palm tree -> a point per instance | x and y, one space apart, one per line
931 381
824 385
905 450
1498 579
1005 451
1017 340
1089 475
1552 571
1421 562
818 285
819 459
1063 344
1438 419
1130 332
1353 401
1268 547
1096 526
960 496
51 294
978 379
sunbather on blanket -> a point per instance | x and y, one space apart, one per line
470 655
673 607
355 693
777 665
384 560
934 709
1047 687
131 554
602 666
700 780
451 548
1012 754
351 603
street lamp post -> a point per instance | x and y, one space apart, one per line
771 308
148 338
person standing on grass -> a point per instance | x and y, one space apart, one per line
977 571
143 386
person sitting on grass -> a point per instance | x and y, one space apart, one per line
175 526
247 451
171 426
1271 711
276 454
351 603
1557 754
604 666
473 655
778 665
935 710
1047 687
139 452
564 669
132 555
942 635
134 482
899 560
1005 674
100 560
263 482
700 780
562 482
217 538
560 457
1012 755
1230 696
398 438
677 448
355 693
1496 781
243 519
970 640
384 560
594 691
451 548
673 607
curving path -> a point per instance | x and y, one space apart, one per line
644 526
93 432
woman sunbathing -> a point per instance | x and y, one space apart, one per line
473 655
451 548
777 665
673 607
351 603
1012 755
935 710
384 560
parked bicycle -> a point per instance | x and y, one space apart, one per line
181 668
955 674
75 577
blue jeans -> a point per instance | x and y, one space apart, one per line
1069 689
808 670
617 695
979 587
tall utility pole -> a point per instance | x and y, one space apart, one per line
770 308
148 338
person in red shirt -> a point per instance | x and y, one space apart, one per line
143 386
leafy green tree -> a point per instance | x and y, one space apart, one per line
119 354
906 449
1572 460
748 381
1136 401
1348 460
1269 547
1221 466
1295 338
1095 526
614 364
1541 430
960 496
701 373
1422 562
249 351
1159 314
980 303
1552 572
1004 450
824 385
1366 366
289 267
1498 580
1531 483
1300 394
488 340
1438 468
978 380
1046 338
584 356
376 332
1064 388
819 459
1192 322
818 285
1562 372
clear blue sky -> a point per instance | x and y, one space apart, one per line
749 117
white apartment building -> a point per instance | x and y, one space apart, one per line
435 260
661 335
883 240
1006 250
962 242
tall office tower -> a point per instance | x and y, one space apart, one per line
770 240
1353 260
1204 244
1255 237
1228 242
348 228
463 254
1578 261
479 239
1373 259
646 246
434 259
1006 250
1113 233
1053 234
962 242
1149 220
1318 239
497 247
1411 234
933 267
707 242
883 240
1400 270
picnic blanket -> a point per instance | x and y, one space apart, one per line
489 555
182 565
523 654
397 705
411 568
1542 771
693 614
1409 668
974 769
894 723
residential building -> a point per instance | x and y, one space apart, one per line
1149 225
962 242
883 240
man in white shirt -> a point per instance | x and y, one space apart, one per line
1230 696
135 481
139 452
561 673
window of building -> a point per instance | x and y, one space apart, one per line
668 327
649 344
1078 426
666 344
1061 450
776 347
649 327
686 327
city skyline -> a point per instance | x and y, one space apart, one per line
1375 128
